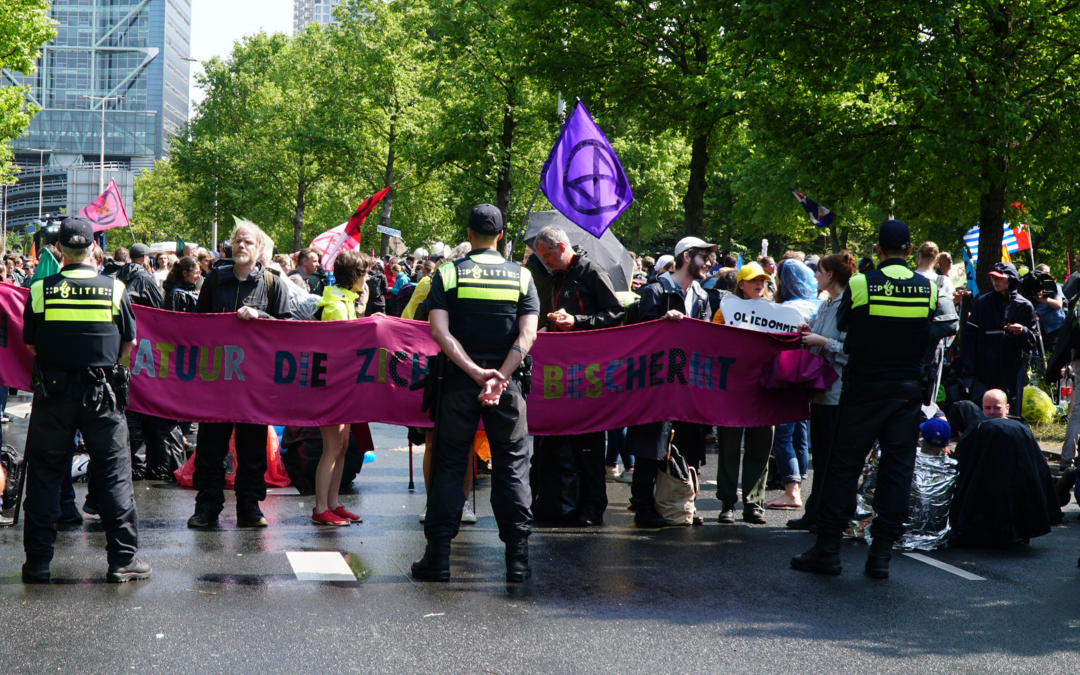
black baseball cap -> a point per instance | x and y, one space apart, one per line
894 235
486 219
76 227
139 251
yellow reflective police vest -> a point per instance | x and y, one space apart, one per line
892 309
483 291
76 309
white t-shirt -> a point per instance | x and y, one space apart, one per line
944 284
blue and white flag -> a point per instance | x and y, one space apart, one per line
1008 241
819 215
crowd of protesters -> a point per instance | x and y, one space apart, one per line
1001 330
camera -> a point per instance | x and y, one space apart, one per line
1035 282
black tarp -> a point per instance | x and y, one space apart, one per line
1004 492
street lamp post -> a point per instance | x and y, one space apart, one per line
213 226
103 99
41 178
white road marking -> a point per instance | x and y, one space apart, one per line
320 566
942 566
21 410
291 490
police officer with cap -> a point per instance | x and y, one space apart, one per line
79 325
483 314
887 314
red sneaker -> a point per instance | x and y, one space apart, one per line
340 512
327 517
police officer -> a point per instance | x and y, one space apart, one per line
887 314
483 314
79 325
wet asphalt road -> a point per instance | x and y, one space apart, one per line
712 599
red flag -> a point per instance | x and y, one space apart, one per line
352 228
107 211
1023 241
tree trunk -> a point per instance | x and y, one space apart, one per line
694 201
503 185
834 240
298 216
992 219
388 201
635 237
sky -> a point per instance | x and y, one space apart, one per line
216 24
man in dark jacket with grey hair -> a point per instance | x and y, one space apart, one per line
582 298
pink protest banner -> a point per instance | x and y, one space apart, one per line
216 368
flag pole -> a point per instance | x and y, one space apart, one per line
560 110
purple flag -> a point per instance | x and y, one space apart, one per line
582 177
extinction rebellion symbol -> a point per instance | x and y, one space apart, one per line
592 181
107 209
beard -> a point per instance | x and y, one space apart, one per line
243 257
697 271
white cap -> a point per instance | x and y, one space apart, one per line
687 243
663 261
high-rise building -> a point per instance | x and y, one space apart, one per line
131 53
313 11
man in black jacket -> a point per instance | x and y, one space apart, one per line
246 288
141 286
583 299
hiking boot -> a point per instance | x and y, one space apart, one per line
435 565
877 560
649 518
727 514
823 558
754 516
517 561
252 517
36 573
133 571
202 519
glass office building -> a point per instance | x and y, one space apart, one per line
313 11
129 51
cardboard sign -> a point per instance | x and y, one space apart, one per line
760 315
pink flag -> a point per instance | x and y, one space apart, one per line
107 211
326 241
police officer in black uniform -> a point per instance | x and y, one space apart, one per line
79 325
887 314
483 314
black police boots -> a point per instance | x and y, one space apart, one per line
36 573
517 561
877 561
823 558
435 565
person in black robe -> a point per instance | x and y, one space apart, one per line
1004 493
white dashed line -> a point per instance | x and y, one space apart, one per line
942 566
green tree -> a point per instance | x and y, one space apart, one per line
24 26
667 64
937 109
162 207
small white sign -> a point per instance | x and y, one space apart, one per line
760 315
389 230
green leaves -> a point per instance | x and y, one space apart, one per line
24 26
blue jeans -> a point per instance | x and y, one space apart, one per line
616 447
791 450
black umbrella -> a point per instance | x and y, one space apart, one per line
605 251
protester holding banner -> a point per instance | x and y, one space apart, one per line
797 289
887 314
583 299
826 340
246 288
338 303
674 296
750 284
